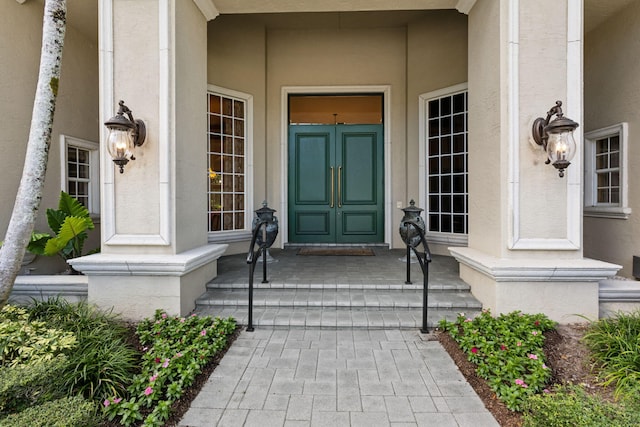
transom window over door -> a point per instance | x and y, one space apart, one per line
446 166
227 152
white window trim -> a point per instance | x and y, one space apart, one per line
451 239
590 208
227 236
94 167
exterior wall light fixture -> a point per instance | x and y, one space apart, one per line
556 137
125 133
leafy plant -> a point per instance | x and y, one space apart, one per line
65 412
615 346
102 363
69 224
176 350
508 352
25 341
23 386
570 406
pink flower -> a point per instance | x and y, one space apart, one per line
152 378
203 332
468 319
546 390
182 320
503 347
544 366
519 343
117 400
157 360
534 333
164 315
474 350
537 323
193 315
148 391
519 381
178 355
166 363
106 403
533 356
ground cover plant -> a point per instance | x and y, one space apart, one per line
65 364
175 351
507 351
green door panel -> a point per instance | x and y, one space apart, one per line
336 184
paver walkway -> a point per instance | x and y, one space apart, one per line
316 377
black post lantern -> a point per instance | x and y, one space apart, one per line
411 236
271 228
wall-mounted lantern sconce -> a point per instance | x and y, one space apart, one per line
125 134
556 137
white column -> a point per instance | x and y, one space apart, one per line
525 237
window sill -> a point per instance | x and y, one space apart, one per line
449 239
229 236
611 213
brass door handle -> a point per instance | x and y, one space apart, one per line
339 186
332 187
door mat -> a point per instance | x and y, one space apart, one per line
336 251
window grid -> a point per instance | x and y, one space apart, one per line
608 171
447 178
79 174
226 162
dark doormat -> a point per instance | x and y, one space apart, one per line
336 251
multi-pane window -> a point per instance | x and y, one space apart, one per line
605 172
608 170
227 162
446 131
80 166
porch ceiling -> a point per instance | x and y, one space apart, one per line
286 6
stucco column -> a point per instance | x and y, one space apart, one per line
153 55
525 230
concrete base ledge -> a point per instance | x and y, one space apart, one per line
535 270
148 265
71 288
614 290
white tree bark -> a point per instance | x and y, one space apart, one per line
25 209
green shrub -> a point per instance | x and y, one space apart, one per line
22 386
103 363
176 350
570 406
65 412
25 341
615 346
508 352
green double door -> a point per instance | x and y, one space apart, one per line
336 184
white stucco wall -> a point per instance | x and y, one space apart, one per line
76 108
612 95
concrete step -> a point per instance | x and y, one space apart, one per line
321 318
381 285
369 299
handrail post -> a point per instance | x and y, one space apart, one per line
252 258
424 259
408 281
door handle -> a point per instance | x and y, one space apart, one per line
339 186
332 187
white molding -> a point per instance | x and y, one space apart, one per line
423 100
148 265
208 9
284 145
166 131
465 6
447 239
535 270
249 165
573 108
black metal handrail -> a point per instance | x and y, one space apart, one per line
424 258
252 259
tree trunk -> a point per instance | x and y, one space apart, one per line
25 209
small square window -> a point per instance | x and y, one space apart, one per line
80 164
